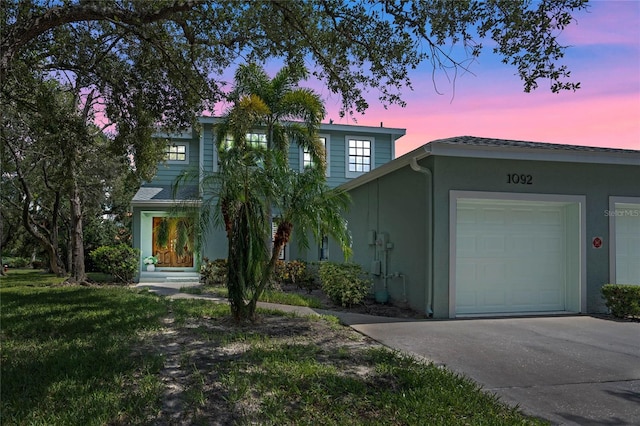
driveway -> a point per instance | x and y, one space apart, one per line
570 370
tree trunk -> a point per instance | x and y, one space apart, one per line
281 239
237 263
47 243
78 273
2 243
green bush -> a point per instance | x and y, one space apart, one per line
213 272
16 262
345 283
622 299
294 272
121 261
311 278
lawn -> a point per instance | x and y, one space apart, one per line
110 355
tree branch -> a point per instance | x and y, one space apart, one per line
24 32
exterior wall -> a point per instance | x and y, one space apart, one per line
168 171
203 156
394 206
207 138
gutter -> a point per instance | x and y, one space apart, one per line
413 162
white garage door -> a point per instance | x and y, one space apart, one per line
627 221
511 256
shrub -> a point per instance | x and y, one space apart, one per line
213 272
16 262
311 278
345 283
121 261
622 299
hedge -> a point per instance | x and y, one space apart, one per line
121 261
623 300
346 284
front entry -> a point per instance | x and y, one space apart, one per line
172 241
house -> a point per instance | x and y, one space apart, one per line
158 230
472 226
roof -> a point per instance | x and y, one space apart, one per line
506 143
326 127
480 147
162 195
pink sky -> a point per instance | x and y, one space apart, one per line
604 57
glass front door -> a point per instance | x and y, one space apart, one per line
173 241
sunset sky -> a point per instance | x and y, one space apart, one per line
604 57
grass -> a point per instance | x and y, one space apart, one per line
270 296
67 352
71 355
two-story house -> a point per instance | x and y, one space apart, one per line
463 226
160 229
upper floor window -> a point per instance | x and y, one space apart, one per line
359 155
255 140
176 153
307 160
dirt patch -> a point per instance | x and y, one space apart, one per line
201 355
394 309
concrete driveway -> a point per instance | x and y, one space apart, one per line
570 370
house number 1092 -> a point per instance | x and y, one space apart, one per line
516 178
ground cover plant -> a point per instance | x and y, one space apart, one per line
114 355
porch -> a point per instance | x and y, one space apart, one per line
188 278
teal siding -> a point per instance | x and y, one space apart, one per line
204 158
383 150
336 161
208 150
169 171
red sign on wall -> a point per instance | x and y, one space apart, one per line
596 242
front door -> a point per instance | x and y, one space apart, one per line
173 241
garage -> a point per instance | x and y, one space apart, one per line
626 223
515 256
480 227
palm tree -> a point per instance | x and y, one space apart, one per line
286 112
251 181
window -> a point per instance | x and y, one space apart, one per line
307 161
274 229
324 248
255 140
359 156
176 153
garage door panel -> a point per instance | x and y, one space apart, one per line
492 274
551 217
467 215
492 216
523 216
547 245
521 244
493 243
493 298
627 230
511 257
467 245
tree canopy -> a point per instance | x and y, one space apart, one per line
134 65
169 54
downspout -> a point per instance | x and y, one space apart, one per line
429 176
